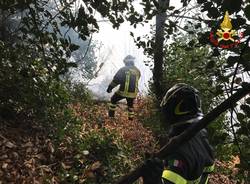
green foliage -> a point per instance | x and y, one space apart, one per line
109 148
198 67
152 118
194 65
86 151
79 93
65 124
35 53
99 156
84 57
247 11
36 47
220 139
210 72
27 87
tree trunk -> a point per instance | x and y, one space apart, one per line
158 50
2 26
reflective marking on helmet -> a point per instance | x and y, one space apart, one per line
177 110
171 92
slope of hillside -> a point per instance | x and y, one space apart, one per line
98 150
28 154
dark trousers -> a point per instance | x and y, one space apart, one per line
116 98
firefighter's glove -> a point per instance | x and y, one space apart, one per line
109 90
152 171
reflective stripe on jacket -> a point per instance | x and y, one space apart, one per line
127 77
178 179
197 157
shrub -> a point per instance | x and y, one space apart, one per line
97 156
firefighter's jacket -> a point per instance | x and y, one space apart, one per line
127 77
191 162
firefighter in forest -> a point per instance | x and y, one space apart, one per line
127 77
193 160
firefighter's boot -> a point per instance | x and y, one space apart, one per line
130 113
112 110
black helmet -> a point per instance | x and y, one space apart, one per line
181 103
129 60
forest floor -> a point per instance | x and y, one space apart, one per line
27 154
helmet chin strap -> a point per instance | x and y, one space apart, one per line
190 121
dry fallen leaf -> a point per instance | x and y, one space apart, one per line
51 147
85 152
3 157
15 155
10 145
96 165
65 166
54 180
28 144
28 168
5 165
40 156
45 168
89 174
30 163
